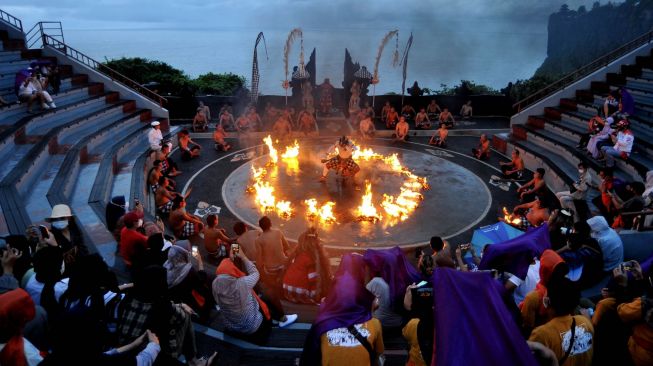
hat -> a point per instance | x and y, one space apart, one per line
183 244
131 218
155 123
166 245
59 212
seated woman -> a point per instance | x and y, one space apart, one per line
219 138
308 278
16 310
439 138
243 311
186 284
47 284
189 148
183 225
148 306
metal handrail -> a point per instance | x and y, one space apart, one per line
34 37
11 20
583 71
102 68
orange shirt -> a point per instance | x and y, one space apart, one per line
415 353
640 343
530 311
556 335
340 347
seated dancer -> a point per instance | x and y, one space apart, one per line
466 111
391 118
439 138
366 128
307 124
532 214
189 148
226 118
482 152
155 175
282 129
447 118
183 224
168 166
514 169
408 112
342 161
385 111
255 123
433 110
219 139
164 196
401 131
422 119
538 187
200 122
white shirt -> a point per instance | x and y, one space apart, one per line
32 354
26 89
624 142
527 285
34 289
154 137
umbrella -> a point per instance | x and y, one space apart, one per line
492 234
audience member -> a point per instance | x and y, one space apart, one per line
47 284
594 126
186 284
132 242
597 140
441 253
308 277
27 94
578 191
16 310
610 105
634 204
637 313
520 288
609 241
623 143
583 253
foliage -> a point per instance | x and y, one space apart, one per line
219 84
466 87
523 88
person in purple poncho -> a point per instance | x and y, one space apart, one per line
343 318
626 102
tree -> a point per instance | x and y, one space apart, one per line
143 71
219 84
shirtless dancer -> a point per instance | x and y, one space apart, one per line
182 223
401 130
533 213
342 160
513 169
164 197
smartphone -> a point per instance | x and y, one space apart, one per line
195 250
235 249
465 246
626 267
422 283
44 232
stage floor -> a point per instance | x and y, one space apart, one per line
460 199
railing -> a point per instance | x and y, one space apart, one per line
34 37
11 20
100 67
580 73
639 219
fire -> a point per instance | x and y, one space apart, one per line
322 213
367 211
292 151
394 163
510 218
392 209
264 195
366 155
274 157
284 209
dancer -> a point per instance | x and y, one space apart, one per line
439 138
342 161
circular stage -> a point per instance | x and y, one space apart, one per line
457 200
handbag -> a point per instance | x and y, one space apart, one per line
375 360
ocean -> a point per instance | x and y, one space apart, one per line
486 52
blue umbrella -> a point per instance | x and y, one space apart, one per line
492 234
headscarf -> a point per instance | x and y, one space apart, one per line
114 211
549 261
394 268
178 265
231 291
609 241
515 255
16 309
473 323
347 303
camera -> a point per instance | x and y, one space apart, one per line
235 249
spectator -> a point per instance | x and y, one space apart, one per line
149 307
200 122
244 312
441 253
534 312
583 253
569 336
205 109
610 105
219 139
132 242
447 118
594 126
308 278
418 332
367 129
186 284
634 204
637 313
273 252
422 120
66 233
116 209
16 310
626 102
538 187
439 138
623 144
578 191
47 284
154 136
384 311
433 110
183 225
609 241
467 111
401 130
246 239
482 151
608 185
597 140
215 238
514 169
520 288
189 148
40 84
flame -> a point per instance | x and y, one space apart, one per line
264 195
394 163
274 158
322 213
292 152
367 211
365 154
284 209
510 218
392 209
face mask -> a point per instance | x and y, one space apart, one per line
581 171
60 225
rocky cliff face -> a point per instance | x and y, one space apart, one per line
577 37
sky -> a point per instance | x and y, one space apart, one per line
112 14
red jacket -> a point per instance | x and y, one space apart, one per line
131 244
